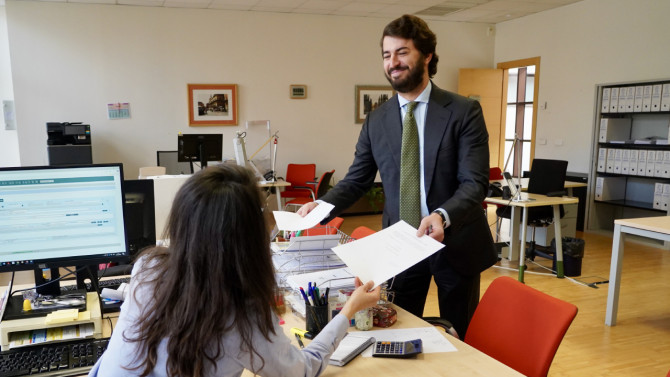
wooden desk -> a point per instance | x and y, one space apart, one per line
278 185
524 184
537 200
652 227
468 361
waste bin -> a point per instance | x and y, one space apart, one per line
573 254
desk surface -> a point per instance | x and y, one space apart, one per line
468 361
524 183
538 200
659 224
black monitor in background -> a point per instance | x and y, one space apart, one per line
200 147
55 216
170 161
140 221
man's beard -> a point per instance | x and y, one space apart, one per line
411 82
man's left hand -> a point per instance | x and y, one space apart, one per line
431 225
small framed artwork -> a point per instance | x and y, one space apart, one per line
298 91
370 97
212 105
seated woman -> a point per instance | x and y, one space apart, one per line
204 305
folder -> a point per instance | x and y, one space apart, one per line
665 98
625 164
642 162
646 98
632 162
639 93
658 196
602 160
630 99
614 100
651 161
666 164
605 101
610 188
614 129
665 202
656 92
659 165
609 165
617 161
623 98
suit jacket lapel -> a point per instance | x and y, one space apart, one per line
437 119
393 129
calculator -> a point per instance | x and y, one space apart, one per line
385 348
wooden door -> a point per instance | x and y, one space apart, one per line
486 85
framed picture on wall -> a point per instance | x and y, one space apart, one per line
212 105
369 97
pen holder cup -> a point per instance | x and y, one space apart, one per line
316 318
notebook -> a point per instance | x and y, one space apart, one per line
350 347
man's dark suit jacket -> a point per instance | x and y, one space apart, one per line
456 164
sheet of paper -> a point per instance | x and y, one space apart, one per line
382 255
335 279
291 221
433 340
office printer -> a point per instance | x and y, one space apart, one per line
69 143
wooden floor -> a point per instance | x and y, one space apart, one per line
639 345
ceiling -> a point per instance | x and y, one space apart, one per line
480 11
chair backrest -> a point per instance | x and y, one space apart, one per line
361 231
324 183
547 176
298 175
519 326
170 159
495 173
148 171
330 228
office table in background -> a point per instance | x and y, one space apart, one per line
515 249
278 185
651 227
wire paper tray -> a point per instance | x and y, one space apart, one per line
307 254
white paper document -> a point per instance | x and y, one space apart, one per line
432 340
386 253
291 221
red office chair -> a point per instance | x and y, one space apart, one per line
519 326
361 232
330 228
495 174
298 175
322 186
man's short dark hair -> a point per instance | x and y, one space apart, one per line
416 29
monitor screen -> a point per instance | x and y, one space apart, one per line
200 147
139 214
54 216
169 160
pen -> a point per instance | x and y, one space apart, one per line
304 296
326 296
297 336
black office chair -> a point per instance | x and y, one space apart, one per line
547 177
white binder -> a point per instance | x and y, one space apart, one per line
614 100
658 196
646 98
630 99
602 160
642 162
659 165
665 98
656 92
609 167
605 102
651 160
632 162
617 161
666 164
639 93
665 202
625 161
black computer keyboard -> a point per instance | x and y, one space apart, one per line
69 358
110 283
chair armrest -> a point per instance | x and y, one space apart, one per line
444 324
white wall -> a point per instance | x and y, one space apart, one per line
581 45
70 60
9 144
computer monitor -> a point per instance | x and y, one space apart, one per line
140 216
53 216
170 161
200 147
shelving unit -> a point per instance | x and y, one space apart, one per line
630 166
